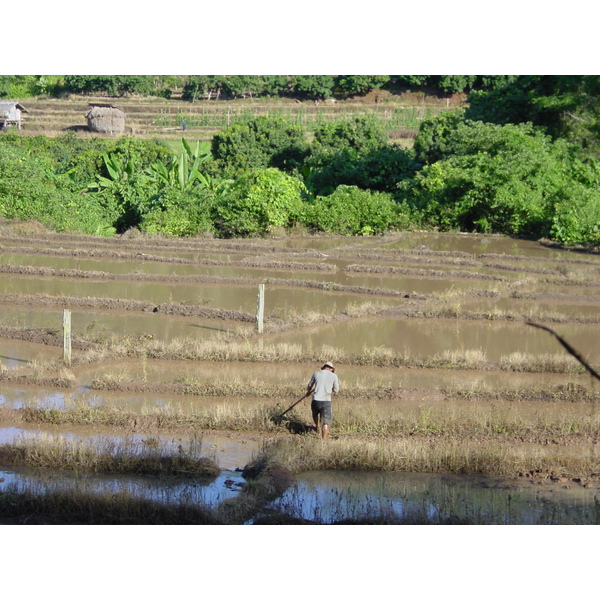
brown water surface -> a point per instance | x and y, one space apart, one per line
429 337
228 297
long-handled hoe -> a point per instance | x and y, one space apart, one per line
287 410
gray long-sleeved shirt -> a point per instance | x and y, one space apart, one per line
324 382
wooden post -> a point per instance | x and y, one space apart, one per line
260 311
67 337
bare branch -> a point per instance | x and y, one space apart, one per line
569 349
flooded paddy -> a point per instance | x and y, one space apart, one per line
462 300
428 337
427 497
120 322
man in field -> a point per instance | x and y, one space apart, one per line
322 384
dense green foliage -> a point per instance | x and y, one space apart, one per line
198 87
29 190
262 142
355 152
520 159
259 202
493 179
352 211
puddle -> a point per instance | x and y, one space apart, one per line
229 452
15 353
329 496
208 492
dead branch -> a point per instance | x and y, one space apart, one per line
569 349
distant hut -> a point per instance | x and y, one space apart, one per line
10 113
105 118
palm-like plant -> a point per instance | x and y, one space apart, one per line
183 172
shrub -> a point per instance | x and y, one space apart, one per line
30 191
360 134
493 178
352 211
181 214
257 203
381 169
577 217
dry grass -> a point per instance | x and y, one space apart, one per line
443 456
110 455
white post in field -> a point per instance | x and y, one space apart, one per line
260 310
67 337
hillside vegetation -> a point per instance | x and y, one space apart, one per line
519 157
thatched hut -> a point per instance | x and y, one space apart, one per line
105 118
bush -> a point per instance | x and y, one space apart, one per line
260 143
352 211
359 134
181 214
30 191
257 203
431 143
493 178
577 218
380 170
353 152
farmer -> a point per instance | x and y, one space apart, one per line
322 384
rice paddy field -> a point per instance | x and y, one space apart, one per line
452 407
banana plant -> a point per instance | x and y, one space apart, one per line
183 172
119 173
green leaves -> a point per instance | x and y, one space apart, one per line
352 211
260 201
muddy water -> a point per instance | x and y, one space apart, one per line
142 403
230 452
209 492
14 353
290 375
242 298
474 244
130 323
429 337
564 308
333 496
327 497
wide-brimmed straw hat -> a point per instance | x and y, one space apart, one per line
327 364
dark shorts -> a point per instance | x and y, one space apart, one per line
322 410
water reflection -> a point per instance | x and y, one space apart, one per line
208 492
327 497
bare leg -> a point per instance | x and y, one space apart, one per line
317 424
325 431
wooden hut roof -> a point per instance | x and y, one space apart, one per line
6 105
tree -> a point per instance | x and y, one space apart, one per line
431 142
354 152
261 142
564 106
315 87
493 178
360 84
359 134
